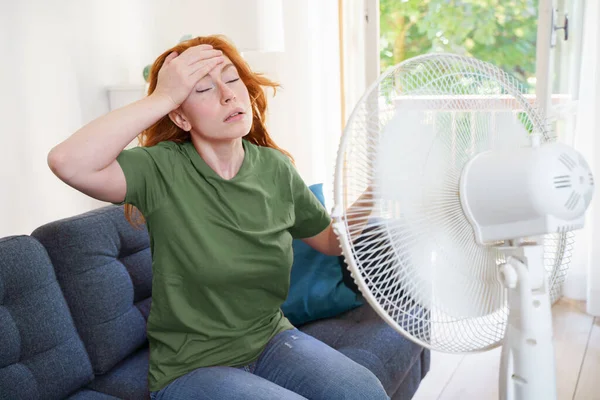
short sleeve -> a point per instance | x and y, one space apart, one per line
311 217
148 172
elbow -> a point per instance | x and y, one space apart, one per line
58 163
53 160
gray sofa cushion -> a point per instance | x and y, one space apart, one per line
104 268
365 338
128 379
41 355
91 395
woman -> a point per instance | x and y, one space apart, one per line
222 204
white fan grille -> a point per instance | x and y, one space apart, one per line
416 260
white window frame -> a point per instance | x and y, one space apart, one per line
545 54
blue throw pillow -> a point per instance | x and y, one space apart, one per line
317 288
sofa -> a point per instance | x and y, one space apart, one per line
74 299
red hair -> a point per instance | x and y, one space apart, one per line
164 129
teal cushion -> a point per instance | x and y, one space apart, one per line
317 288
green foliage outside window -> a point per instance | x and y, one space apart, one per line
502 32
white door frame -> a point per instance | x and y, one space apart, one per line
372 63
544 54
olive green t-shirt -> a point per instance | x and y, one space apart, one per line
221 252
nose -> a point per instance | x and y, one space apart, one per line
227 95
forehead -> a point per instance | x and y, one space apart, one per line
226 66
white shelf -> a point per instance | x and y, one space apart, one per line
122 95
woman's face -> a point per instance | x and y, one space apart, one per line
219 108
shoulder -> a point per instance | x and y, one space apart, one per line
271 162
164 156
270 156
162 151
166 147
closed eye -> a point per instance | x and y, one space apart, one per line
206 90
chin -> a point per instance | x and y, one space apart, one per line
234 134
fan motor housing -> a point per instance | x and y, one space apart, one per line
529 191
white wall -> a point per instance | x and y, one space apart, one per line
355 48
59 57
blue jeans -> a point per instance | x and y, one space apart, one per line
293 365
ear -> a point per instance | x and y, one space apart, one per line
180 119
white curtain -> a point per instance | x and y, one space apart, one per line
583 282
587 141
354 54
304 116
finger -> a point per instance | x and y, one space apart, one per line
204 67
193 51
204 56
170 57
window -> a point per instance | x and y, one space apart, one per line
500 32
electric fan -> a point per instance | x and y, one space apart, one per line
454 207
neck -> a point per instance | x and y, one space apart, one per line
223 157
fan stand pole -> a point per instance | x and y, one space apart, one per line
527 370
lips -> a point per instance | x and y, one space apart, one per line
235 112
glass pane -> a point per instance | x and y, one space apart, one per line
502 32
497 31
564 77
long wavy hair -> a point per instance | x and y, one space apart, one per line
164 129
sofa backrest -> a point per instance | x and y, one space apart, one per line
104 268
41 354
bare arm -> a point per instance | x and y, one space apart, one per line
87 159
327 241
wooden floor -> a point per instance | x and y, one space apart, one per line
577 352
